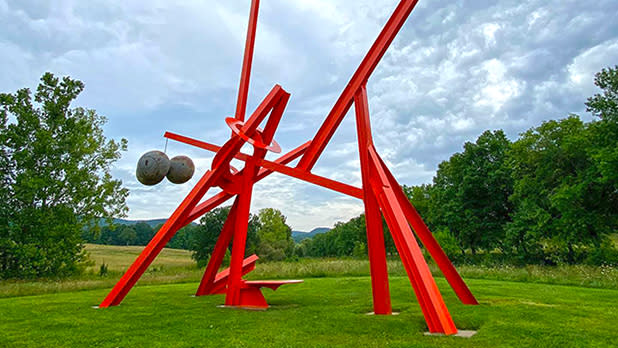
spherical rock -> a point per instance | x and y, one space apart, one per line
152 167
181 170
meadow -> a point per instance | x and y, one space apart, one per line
572 306
176 266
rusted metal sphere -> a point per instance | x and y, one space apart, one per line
181 170
152 167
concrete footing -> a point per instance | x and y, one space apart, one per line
460 333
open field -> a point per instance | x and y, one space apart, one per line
118 258
322 312
176 266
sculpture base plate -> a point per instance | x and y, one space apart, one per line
460 333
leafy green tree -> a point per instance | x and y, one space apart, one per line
55 179
566 192
184 238
209 229
420 197
127 235
275 236
604 135
144 233
561 204
470 193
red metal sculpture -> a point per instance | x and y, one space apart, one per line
380 193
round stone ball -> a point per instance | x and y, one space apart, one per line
181 170
152 168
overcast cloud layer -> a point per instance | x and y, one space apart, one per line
456 69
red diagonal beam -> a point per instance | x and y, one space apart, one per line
221 197
184 210
360 77
430 243
280 168
430 300
245 76
373 218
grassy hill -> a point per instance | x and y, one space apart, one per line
152 222
118 258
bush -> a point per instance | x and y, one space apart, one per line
605 254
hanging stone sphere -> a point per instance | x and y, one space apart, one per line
152 167
181 170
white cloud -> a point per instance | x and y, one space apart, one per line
455 70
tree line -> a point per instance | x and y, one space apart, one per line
549 197
268 235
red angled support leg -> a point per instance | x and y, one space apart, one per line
218 253
232 297
167 231
251 297
373 218
430 243
436 314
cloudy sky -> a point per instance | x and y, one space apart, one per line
456 69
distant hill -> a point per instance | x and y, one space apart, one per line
153 223
298 236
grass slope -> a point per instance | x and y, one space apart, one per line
118 258
322 312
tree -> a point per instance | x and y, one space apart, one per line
275 236
604 133
144 233
563 204
470 193
209 229
420 197
566 173
55 178
184 238
127 235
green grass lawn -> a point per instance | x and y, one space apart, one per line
322 312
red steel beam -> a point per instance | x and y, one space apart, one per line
373 217
218 252
434 309
221 197
245 77
280 168
184 210
360 77
430 243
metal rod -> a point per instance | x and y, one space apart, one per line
245 77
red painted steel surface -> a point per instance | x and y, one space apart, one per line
271 284
360 77
245 76
373 218
380 192
219 285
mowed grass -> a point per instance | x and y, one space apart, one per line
329 309
322 312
